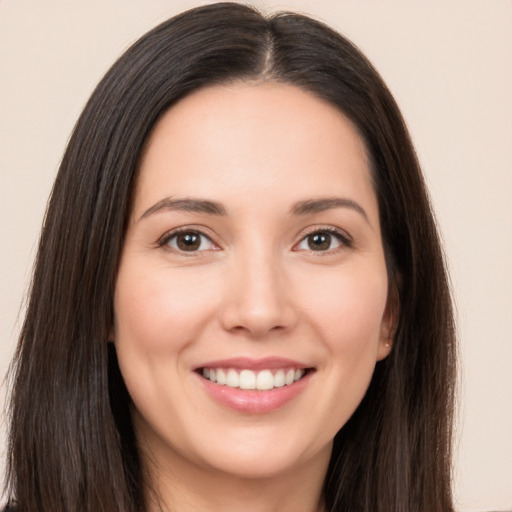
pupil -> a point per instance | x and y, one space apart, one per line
319 241
189 241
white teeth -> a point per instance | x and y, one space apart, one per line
279 379
248 379
232 379
221 376
265 380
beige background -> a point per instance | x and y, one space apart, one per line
448 64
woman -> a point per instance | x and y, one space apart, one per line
239 297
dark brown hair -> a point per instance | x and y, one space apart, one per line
72 447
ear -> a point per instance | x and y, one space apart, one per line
389 322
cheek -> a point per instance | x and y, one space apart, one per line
348 307
153 306
159 314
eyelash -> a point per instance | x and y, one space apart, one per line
343 238
166 239
340 236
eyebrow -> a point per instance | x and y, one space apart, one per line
307 207
186 205
327 203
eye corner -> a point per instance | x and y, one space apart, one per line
326 240
194 242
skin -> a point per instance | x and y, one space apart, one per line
254 288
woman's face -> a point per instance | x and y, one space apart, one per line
250 306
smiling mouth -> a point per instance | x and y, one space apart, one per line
263 380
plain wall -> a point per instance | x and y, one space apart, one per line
449 65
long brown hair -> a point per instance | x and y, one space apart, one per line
71 445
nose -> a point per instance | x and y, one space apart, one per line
257 298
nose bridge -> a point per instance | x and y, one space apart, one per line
258 298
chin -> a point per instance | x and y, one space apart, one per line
266 460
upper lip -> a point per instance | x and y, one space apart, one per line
247 363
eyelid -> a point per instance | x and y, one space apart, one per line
163 241
345 239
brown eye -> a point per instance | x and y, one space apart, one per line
319 241
189 241
322 240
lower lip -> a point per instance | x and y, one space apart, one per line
253 401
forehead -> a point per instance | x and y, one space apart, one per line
267 138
